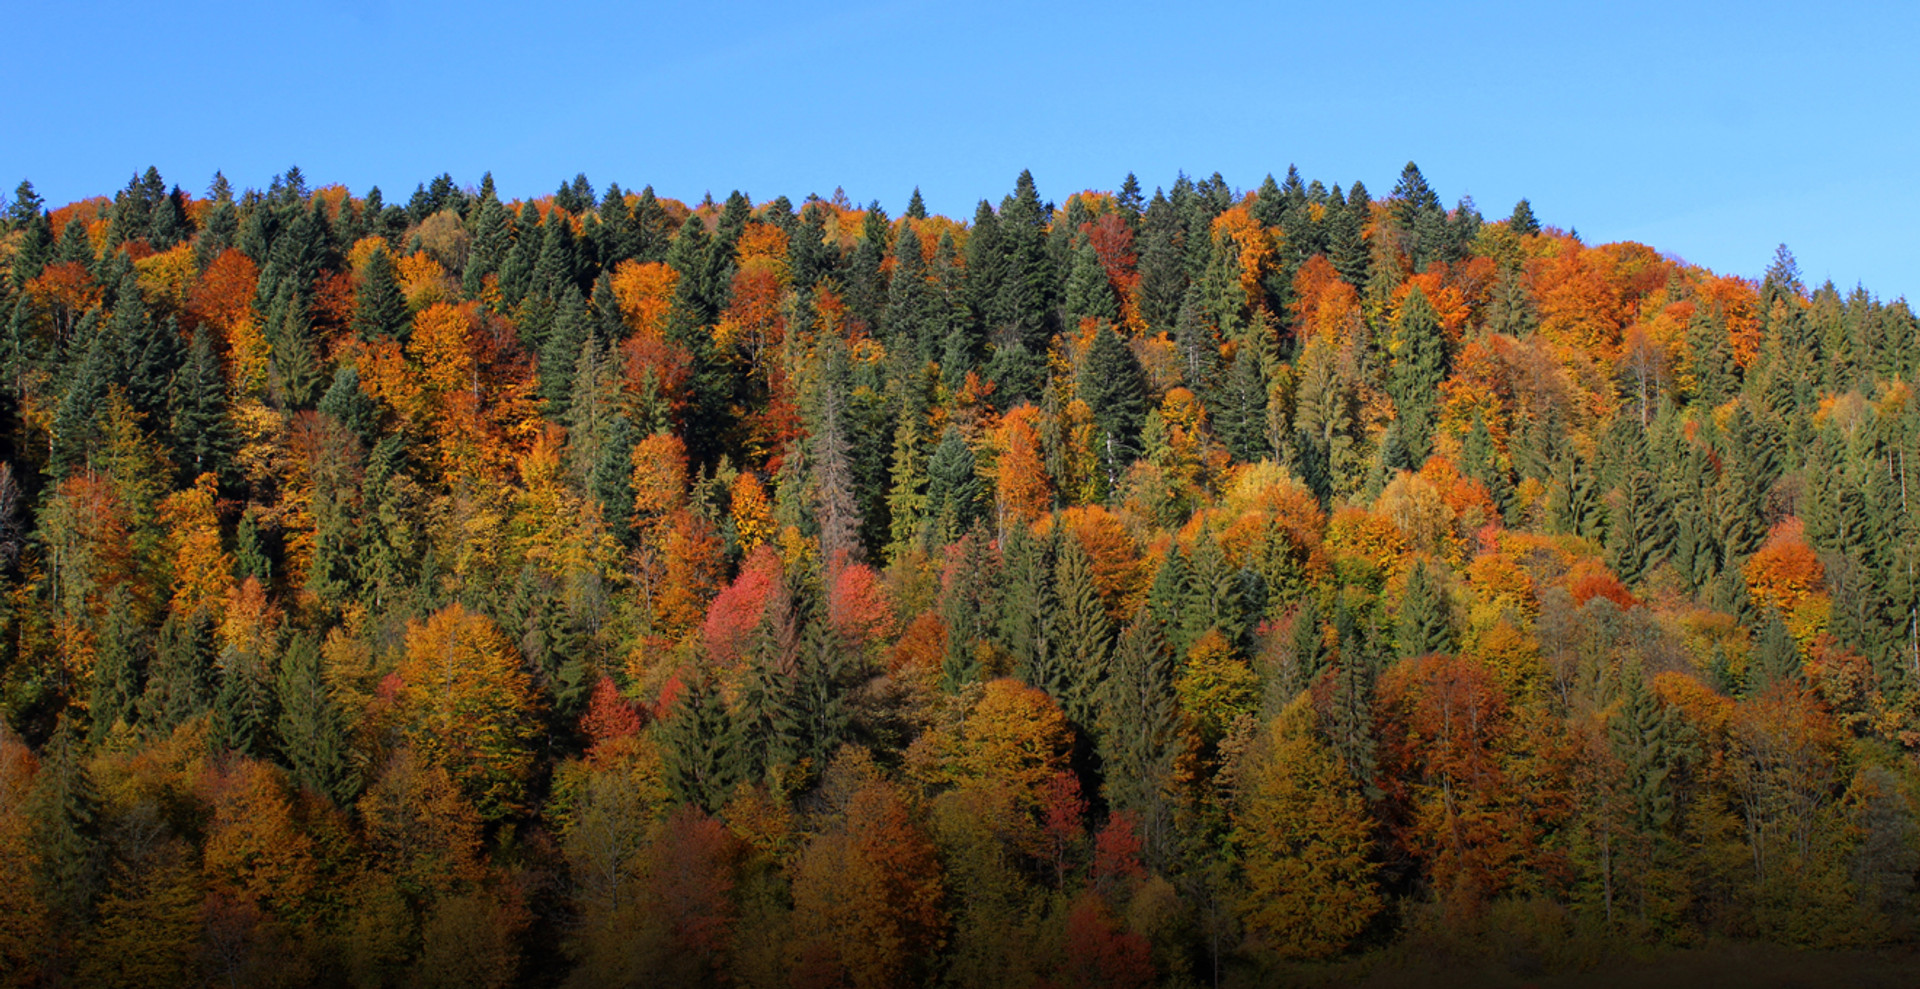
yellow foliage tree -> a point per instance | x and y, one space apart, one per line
1305 835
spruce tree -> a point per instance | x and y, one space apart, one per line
954 493
1775 658
63 815
1419 366
700 746
1522 221
379 310
1425 617
1139 731
1030 608
311 728
1115 388
180 681
1083 634
1089 293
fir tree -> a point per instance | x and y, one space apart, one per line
1083 634
1522 221
1419 365
378 309
700 746
63 811
1139 730
1115 389
312 735
1426 621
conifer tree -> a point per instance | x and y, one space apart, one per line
379 310
1030 609
1115 389
1139 730
954 491
63 809
700 746
1089 293
1522 221
1775 658
1419 365
310 728
1083 634
1425 622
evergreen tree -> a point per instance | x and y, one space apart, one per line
1163 276
119 666
1139 731
63 811
560 352
1310 655
244 709
916 207
1350 718
1030 608
968 606
1114 387
1522 221
1426 621
379 310
700 746
180 682
203 441
1346 244
1775 658
954 492
1089 294
1419 366
311 731
1083 634
1240 408
910 302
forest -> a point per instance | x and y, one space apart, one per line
1206 588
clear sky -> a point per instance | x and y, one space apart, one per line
1712 131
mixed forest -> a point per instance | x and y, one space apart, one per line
1195 588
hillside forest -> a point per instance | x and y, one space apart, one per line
1198 588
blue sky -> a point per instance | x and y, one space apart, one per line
1710 131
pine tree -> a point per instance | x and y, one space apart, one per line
1139 731
916 207
1082 634
1115 389
1089 294
312 735
1419 366
1522 221
379 310
63 809
954 492
1425 622
700 746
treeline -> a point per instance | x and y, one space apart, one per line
1171 590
